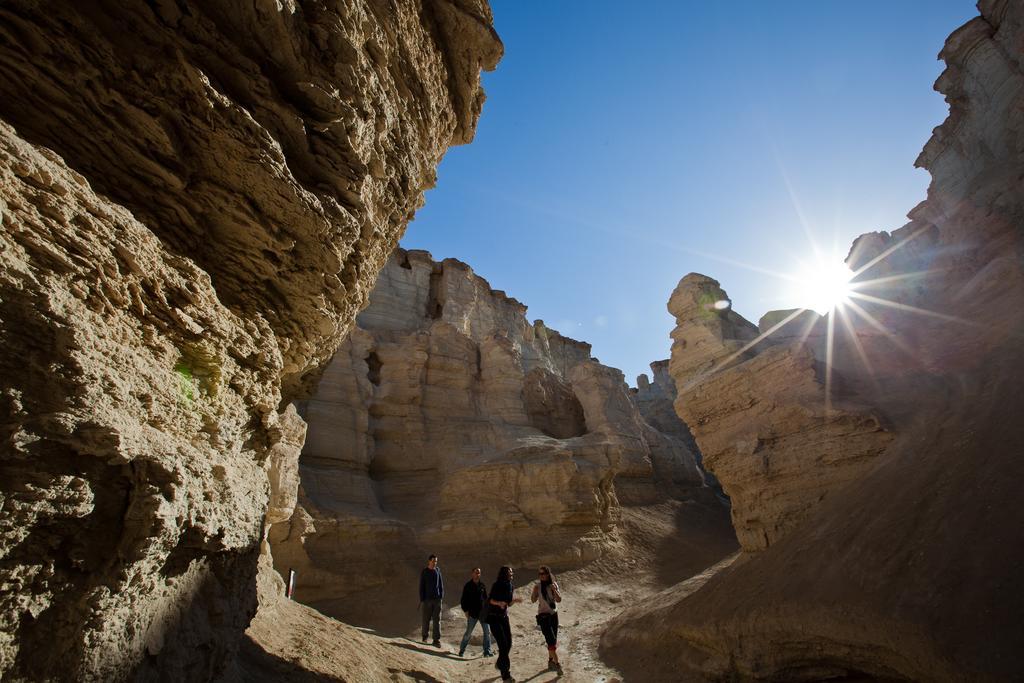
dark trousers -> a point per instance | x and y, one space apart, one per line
432 612
501 630
549 627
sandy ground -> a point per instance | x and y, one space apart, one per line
656 547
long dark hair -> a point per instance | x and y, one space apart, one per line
504 574
547 570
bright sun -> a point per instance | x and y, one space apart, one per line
823 285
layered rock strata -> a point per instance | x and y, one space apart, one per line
655 398
447 423
775 425
910 569
195 200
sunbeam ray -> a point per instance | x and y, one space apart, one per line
898 245
829 338
851 331
746 347
796 204
888 334
808 326
860 284
721 259
912 309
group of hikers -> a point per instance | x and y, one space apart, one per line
491 611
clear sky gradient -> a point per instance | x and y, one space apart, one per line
626 144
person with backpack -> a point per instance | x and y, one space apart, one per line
547 596
501 598
474 597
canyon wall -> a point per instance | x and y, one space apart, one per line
196 199
655 398
775 427
447 423
873 459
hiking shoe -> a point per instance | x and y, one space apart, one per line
488 654
437 643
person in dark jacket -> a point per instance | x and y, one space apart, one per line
474 595
431 593
497 616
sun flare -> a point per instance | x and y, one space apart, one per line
823 285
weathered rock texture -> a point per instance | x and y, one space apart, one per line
910 565
655 399
288 641
778 431
447 423
195 200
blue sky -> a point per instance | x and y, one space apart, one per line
624 145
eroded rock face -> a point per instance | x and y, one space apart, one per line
447 423
655 398
905 569
714 333
776 427
195 201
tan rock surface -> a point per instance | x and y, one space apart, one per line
912 569
447 423
794 324
655 546
288 641
655 398
778 430
195 200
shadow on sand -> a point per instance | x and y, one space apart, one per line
256 664
704 535
542 675
427 650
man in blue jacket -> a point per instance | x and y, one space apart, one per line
431 592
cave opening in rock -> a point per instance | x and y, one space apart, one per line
435 300
552 406
373 366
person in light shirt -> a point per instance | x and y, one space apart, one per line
547 596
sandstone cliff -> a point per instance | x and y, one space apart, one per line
447 423
655 398
195 200
775 426
898 559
